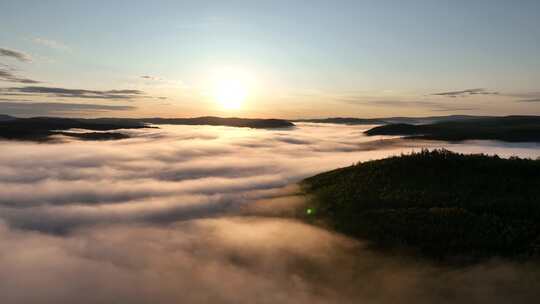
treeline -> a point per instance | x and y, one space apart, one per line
43 128
439 203
509 128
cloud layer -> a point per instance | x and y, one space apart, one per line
237 260
14 54
72 93
56 108
465 93
53 44
186 214
9 76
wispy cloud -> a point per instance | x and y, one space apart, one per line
73 93
8 76
526 96
530 100
161 81
402 103
431 105
204 24
434 106
523 96
53 44
55 108
7 73
148 77
15 54
453 109
465 93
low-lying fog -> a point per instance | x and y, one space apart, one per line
161 218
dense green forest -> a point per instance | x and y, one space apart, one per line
439 204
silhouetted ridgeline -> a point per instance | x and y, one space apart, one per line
41 128
220 121
391 120
6 117
257 123
510 128
95 135
439 203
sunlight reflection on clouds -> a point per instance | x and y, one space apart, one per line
185 213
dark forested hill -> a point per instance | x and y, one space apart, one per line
391 120
6 117
509 128
438 203
257 123
41 128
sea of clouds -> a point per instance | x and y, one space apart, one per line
191 214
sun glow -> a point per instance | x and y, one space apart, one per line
230 94
231 88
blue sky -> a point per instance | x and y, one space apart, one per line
302 58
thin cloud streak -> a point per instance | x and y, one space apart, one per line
15 54
56 108
53 44
148 77
530 100
8 76
73 93
431 105
465 93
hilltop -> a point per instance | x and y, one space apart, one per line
255 123
439 204
42 128
509 128
390 120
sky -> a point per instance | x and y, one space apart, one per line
287 59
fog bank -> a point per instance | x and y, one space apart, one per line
197 214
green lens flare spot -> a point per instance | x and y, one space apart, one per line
309 211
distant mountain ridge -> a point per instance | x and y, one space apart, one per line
42 128
6 117
452 127
389 120
257 123
508 128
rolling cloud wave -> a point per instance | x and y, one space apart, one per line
187 213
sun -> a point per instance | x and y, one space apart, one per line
231 87
230 93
